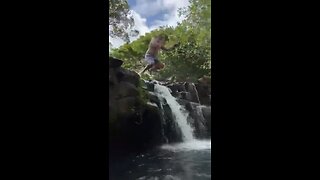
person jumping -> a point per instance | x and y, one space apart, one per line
156 44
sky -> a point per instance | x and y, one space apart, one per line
151 14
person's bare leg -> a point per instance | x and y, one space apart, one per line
146 68
157 67
160 66
153 68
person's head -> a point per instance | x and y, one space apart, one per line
163 38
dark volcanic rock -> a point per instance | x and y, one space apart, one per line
183 102
128 76
154 98
198 121
207 115
134 126
137 132
177 87
150 85
191 88
114 63
127 106
204 92
126 89
186 96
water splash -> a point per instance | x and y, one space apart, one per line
179 114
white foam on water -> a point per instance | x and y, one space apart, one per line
188 146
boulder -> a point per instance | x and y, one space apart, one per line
197 119
206 111
128 76
186 96
153 98
183 102
126 89
150 85
191 88
114 63
127 106
204 93
205 80
138 131
177 87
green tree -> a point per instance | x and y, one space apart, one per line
191 59
120 20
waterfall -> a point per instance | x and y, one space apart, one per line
199 112
163 124
178 112
196 92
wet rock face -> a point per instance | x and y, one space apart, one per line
137 132
114 63
196 103
198 120
196 98
197 93
133 125
204 92
207 116
123 94
191 88
128 76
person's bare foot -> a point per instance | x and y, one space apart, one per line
154 70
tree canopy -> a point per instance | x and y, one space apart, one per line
120 20
187 62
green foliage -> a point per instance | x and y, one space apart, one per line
187 62
142 93
120 19
198 20
146 76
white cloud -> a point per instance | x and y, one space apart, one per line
146 8
150 8
140 24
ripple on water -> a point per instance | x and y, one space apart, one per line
166 177
182 161
203 175
154 170
194 145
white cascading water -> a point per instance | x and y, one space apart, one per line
196 92
178 113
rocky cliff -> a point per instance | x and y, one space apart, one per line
138 120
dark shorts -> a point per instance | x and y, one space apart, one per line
150 59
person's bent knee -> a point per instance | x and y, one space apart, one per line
161 66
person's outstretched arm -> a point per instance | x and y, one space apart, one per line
168 49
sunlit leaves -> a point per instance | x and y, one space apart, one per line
187 62
120 20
